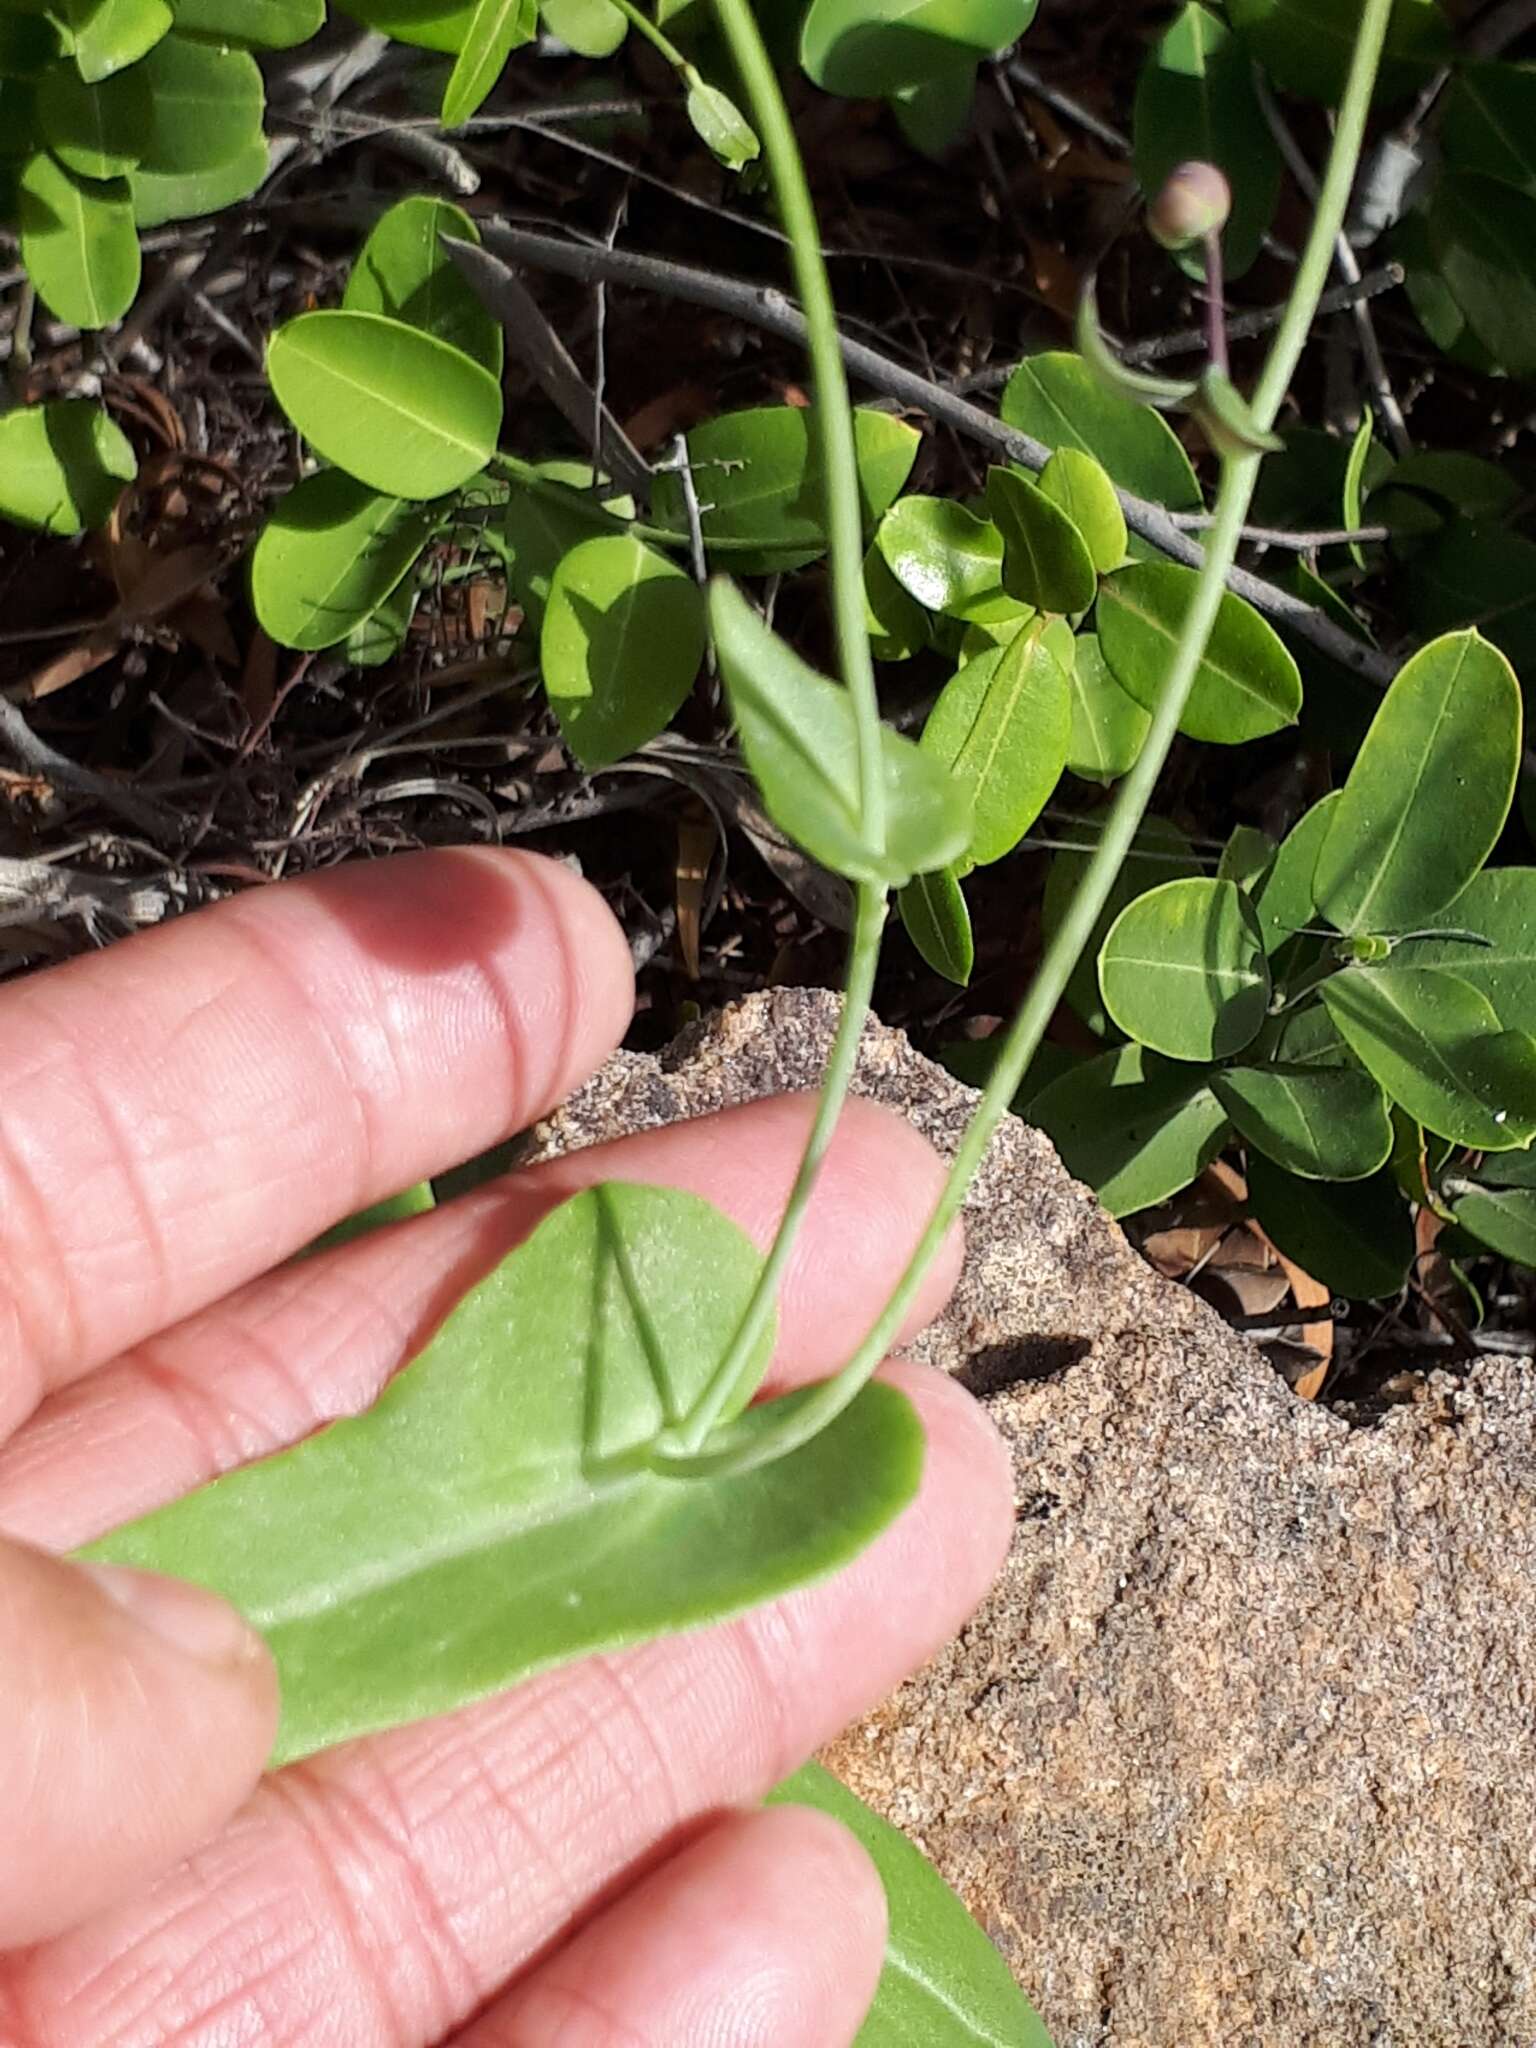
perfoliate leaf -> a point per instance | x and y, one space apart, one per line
1429 791
799 736
1183 970
1248 683
397 408
62 465
404 271
1136 1128
330 554
943 1985
524 1525
1321 1122
1437 1047
621 644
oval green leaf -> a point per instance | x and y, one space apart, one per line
1284 899
1108 727
1429 791
1482 236
1136 1128
263 24
1160 853
898 626
404 272
1081 486
1183 970
1356 1238
1001 727
107 35
721 126
1502 1218
441 25
208 103
393 406
933 909
1056 398
62 465
1499 906
496 29
758 475
329 556
1306 45
78 242
1438 1048
524 1526
1195 99
1046 560
621 644
798 733
947 558
1248 684
943 1985
98 131
1488 123
159 197
592 28
865 49
1320 1122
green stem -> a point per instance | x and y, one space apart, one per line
833 409
802 1416
587 507
741 1355
653 34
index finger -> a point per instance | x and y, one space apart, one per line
184 1112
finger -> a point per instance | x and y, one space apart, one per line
769 1930
179 1114
137 1713
384 1891
318 1340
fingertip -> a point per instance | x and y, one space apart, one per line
968 1487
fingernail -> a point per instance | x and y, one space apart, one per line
194 1623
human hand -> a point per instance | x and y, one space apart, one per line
565 1865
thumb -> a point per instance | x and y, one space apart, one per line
135 1715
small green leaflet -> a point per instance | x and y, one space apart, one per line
1057 399
1323 1123
1357 1238
621 644
78 242
330 554
107 35
397 408
799 736
933 909
62 465
944 1985
1001 727
525 1525
162 196
1159 853
1499 906
1082 488
496 29
947 558
592 28
97 131
1284 899
1183 970
1108 727
1429 791
265 24
721 126
1135 1127
1046 560
404 272
208 106
867 48
1248 684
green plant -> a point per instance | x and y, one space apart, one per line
631 1486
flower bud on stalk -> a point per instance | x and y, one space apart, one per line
1193 204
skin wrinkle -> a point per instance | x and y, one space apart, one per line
19 1190
561 2016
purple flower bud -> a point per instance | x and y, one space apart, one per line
1194 202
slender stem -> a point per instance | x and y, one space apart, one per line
806 1414
1216 303
864 958
642 21
833 407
